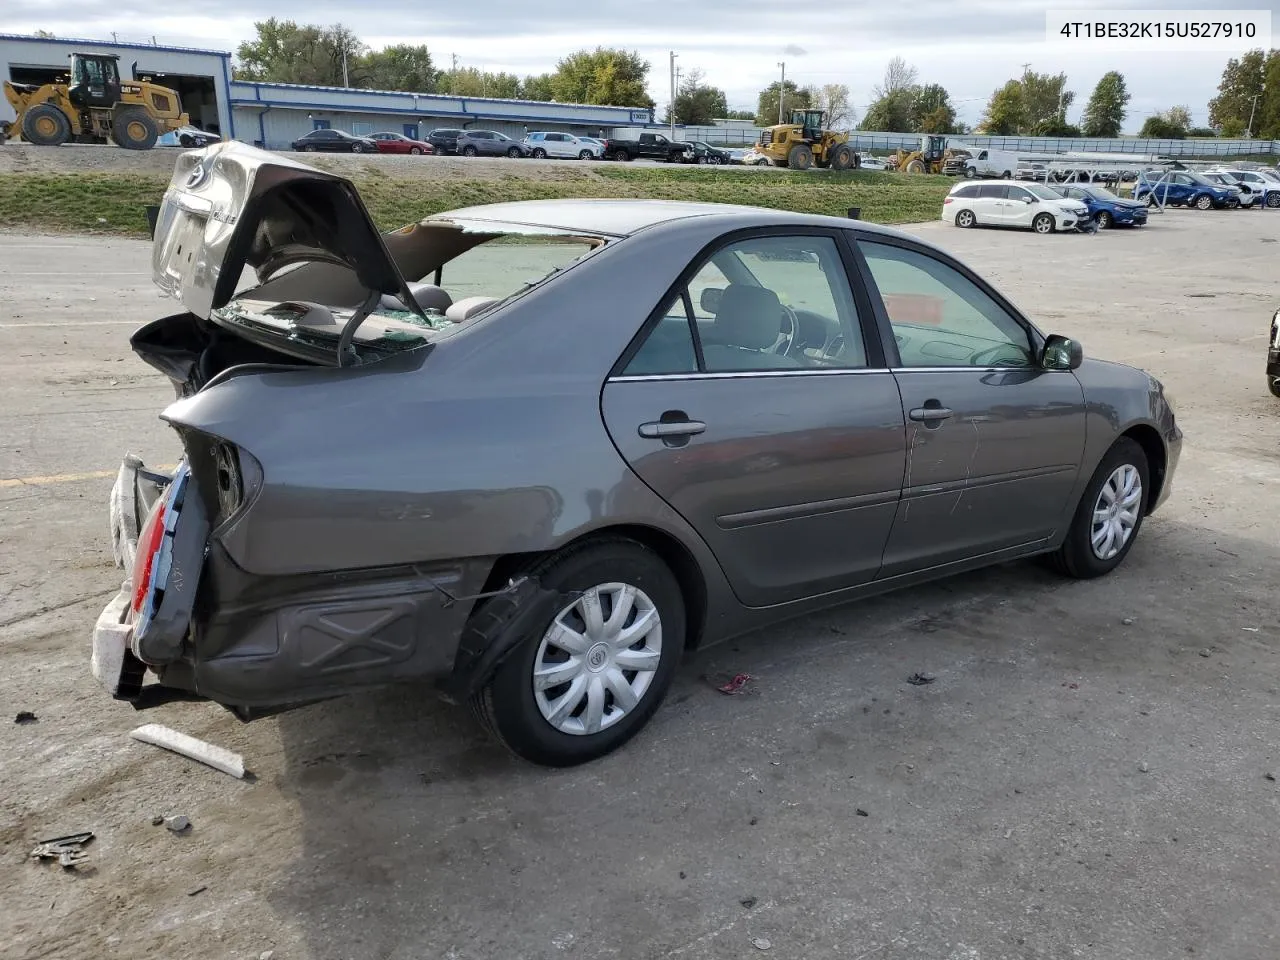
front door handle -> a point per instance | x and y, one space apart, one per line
926 414
662 429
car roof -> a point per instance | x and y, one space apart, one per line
621 218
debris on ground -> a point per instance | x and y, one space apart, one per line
157 820
1205 653
26 716
735 685
1270 776
1142 767
760 943
862 813
1127 621
1251 629
266 955
197 891
206 753
68 850
919 679
177 823
748 902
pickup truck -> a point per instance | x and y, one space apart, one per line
649 146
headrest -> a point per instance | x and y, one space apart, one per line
749 317
428 295
469 307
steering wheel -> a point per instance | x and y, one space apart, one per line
787 336
1007 349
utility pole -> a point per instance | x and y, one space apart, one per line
672 114
782 90
346 81
1026 67
1249 132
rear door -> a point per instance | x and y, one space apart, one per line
755 406
994 441
991 206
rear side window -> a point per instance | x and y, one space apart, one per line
993 191
966 192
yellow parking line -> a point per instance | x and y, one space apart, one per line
64 478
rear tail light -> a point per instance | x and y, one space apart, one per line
149 541
947 200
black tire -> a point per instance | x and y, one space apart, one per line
584 155
357 148
134 129
1150 199
186 141
514 153
1103 220
1273 384
415 151
46 126
1043 223
966 219
309 148
1273 199
1007 175
970 173
800 157
507 707
621 156
469 151
1076 557
1203 202
842 157
539 154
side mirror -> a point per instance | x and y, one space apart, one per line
1030 200
1061 353
710 299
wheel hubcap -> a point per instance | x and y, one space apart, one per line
597 659
1115 513
46 127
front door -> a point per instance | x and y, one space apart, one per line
994 442
755 408
1019 207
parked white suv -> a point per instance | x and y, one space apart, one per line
563 145
1258 181
1026 205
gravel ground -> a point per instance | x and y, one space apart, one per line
1086 777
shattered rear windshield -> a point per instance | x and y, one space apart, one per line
457 272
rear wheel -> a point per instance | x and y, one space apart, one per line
800 157
134 129
1204 202
46 126
586 681
621 156
1109 515
309 148
469 151
1043 223
966 219
1273 384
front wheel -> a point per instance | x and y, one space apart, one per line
1273 384
1273 200
1103 220
469 151
1043 223
582 684
584 155
1204 202
1109 515
514 153
357 148
415 151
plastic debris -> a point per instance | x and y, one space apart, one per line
177 824
68 850
736 684
206 753
1127 621
919 679
748 902
26 716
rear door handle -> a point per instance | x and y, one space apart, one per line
929 413
677 428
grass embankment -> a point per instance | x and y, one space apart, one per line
114 203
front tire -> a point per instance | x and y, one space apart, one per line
46 126
469 151
1204 202
1272 200
1043 223
584 683
800 157
415 151
584 155
1273 384
1109 515
1103 220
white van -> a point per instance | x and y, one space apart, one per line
992 163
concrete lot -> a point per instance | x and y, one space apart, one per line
1086 777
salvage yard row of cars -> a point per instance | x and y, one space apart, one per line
922 426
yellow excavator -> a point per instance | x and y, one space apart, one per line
804 143
93 105
934 156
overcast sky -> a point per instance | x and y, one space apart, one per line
969 46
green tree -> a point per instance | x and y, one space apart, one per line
697 104
767 105
44 35
1104 113
1005 111
891 113
1242 81
1231 129
1171 124
602 76
537 88
1267 123
740 115
931 110
400 67
471 82
285 52
1202 132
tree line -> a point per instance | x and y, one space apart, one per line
1034 104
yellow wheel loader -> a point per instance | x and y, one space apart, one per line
934 156
93 107
805 143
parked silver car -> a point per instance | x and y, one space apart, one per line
562 145
540 471
488 143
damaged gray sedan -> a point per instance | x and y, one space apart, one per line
536 451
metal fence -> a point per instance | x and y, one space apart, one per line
885 142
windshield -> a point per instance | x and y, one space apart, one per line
1200 179
1269 175
1099 194
1044 193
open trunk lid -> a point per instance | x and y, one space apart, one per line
232 206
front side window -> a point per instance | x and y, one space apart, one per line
761 304
940 318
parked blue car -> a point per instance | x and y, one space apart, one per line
1105 208
1186 189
